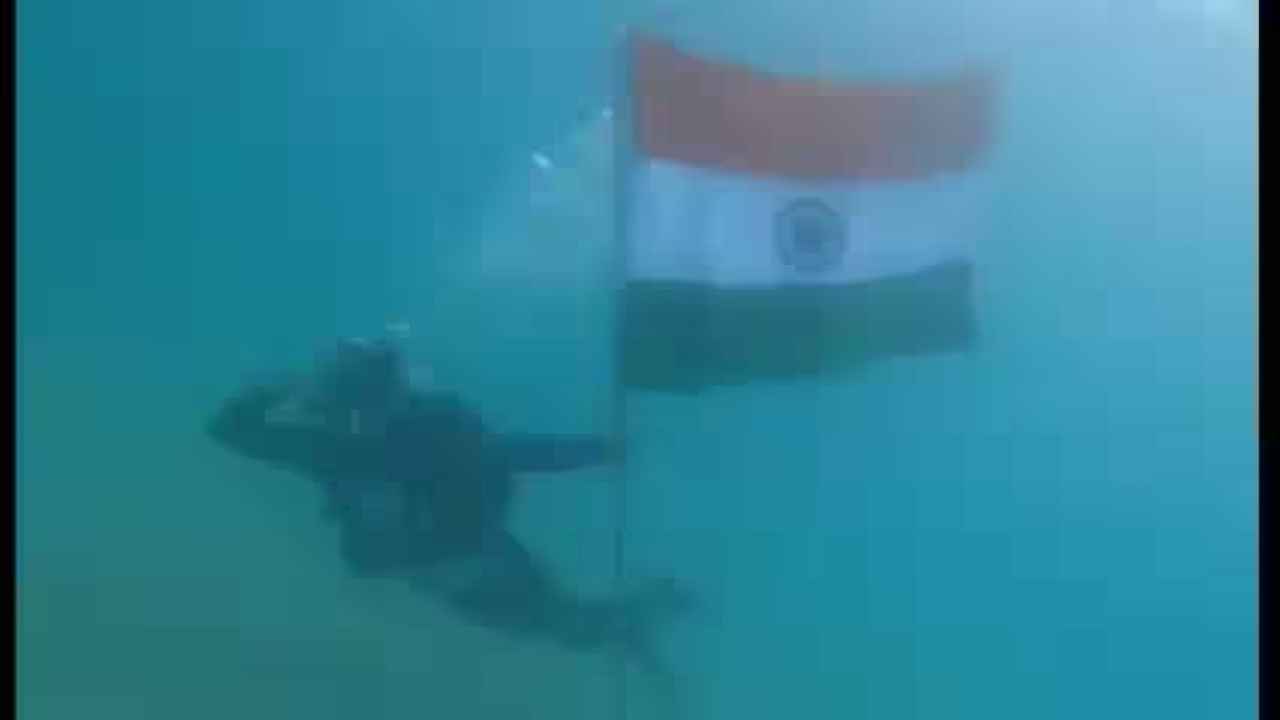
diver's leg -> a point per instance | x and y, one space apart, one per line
373 537
527 452
518 596
506 590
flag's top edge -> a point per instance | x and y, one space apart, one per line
716 114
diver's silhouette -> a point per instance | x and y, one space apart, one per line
421 490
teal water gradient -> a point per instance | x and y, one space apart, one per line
1060 525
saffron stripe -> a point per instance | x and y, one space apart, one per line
698 112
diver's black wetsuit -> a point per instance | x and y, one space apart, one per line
432 488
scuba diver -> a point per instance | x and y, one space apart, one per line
420 489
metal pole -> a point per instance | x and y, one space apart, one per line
620 134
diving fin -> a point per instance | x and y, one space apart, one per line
644 613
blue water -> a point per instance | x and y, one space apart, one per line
1062 524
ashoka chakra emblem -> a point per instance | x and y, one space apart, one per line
810 236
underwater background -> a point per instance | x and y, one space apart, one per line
1061 524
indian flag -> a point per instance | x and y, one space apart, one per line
775 227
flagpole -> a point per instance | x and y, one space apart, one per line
620 126
621 134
